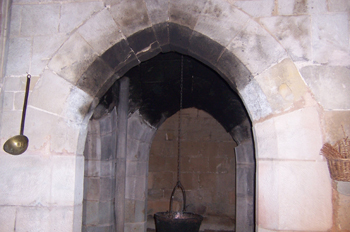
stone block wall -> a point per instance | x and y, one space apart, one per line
139 139
287 59
207 169
341 201
4 33
99 175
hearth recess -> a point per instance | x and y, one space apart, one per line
124 125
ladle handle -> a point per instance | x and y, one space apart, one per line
25 104
178 185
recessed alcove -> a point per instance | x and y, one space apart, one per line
123 129
207 170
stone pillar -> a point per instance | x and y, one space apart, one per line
116 170
99 176
140 136
122 123
245 178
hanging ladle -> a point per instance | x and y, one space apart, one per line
18 144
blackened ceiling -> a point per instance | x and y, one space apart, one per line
155 91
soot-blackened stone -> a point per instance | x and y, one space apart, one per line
131 62
95 76
213 95
107 85
142 39
144 44
108 101
245 172
231 67
205 49
155 90
179 37
117 54
151 52
161 31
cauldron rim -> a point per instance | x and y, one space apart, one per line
183 216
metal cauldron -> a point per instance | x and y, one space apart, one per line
177 221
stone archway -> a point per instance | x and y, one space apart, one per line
237 54
112 40
139 136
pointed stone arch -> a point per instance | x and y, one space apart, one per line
214 32
113 40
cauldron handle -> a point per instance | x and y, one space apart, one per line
178 185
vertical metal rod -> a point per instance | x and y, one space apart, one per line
25 104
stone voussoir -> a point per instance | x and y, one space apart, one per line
256 48
186 12
131 16
221 22
285 86
100 25
157 10
73 58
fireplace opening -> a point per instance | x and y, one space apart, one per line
120 180
207 170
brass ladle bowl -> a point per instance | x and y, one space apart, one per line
18 144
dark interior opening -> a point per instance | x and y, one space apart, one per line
155 91
153 97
